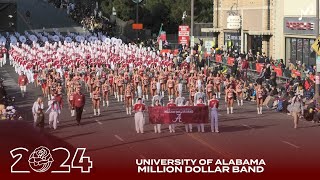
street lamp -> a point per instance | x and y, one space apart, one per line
184 16
137 13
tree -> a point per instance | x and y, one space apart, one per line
153 13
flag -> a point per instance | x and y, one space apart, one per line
162 34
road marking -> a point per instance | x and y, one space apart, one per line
98 122
295 146
245 125
224 154
119 138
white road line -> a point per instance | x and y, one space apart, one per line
245 125
295 146
119 138
98 122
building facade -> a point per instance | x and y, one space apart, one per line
257 24
295 31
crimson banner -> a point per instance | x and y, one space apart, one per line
259 67
230 61
218 58
172 115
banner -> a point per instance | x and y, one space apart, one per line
172 115
218 58
184 35
230 61
295 73
278 71
259 67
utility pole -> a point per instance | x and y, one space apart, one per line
192 16
317 33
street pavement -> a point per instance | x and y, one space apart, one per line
111 138
242 135
44 15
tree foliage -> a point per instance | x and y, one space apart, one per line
153 13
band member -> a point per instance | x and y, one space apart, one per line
90 85
217 85
170 85
188 127
192 93
43 84
139 109
137 81
162 80
171 126
199 95
259 97
214 105
178 88
200 125
70 98
105 93
239 90
153 87
23 81
209 89
145 83
229 99
199 82
180 101
128 99
78 104
110 79
96 101
120 85
55 110
157 127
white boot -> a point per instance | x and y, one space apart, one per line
228 111
241 102
127 109
121 98
143 97
99 112
130 110
103 103
260 110
132 102
186 127
90 95
231 108
219 95
107 103
155 128
238 102
147 97
170 128
94 112
118 98
71 113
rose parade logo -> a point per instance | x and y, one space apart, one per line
40 159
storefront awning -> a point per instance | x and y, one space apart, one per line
207 30
260 33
